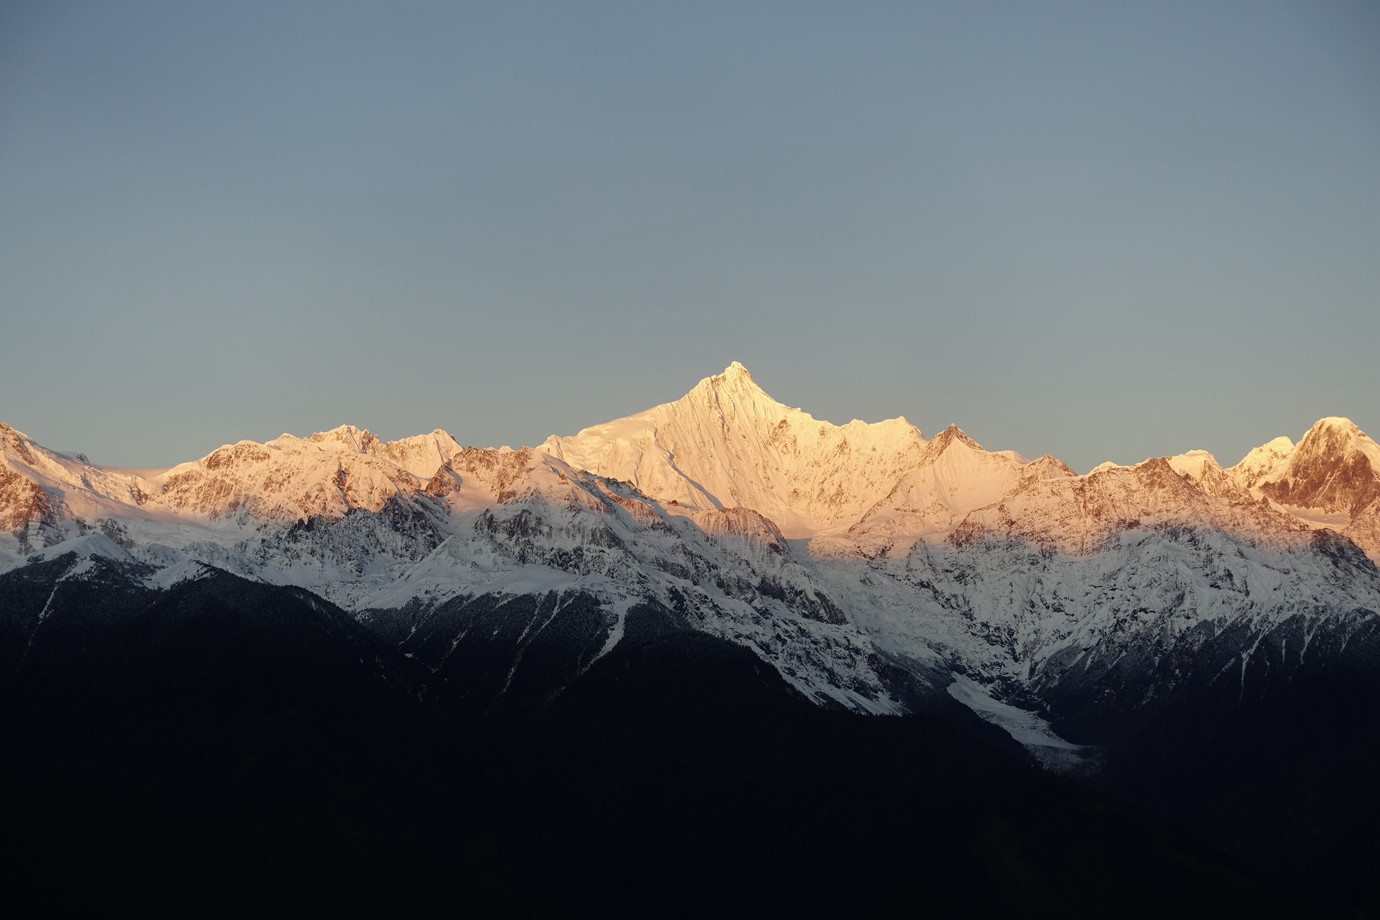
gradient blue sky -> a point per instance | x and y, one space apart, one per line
1099 230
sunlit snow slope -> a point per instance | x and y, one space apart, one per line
879 487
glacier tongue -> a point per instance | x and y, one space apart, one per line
1028 728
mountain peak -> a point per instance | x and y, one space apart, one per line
727 443
1336 434
357 439
1258 463
1333 469
1335 422
951 434
734 381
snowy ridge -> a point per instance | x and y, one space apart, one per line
726 444
289 478
39 486
874 569
954 477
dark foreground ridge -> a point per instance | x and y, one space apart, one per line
229 744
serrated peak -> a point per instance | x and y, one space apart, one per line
954 433
359 439
735 380
727 443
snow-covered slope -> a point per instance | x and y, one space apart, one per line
290 478
728 444
954 477
43 494
1261 460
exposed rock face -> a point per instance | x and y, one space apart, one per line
496 473
1330 479
21 501
14 442
1333 469
1079 514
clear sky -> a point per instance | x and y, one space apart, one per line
1100 230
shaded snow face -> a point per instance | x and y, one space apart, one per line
1012 631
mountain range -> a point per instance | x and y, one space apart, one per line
1198 641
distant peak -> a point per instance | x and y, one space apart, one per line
954 433
347 436
735 383
1332 433
946 439
342 431
1193 464
1334 423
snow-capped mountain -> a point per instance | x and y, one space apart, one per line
1331 478
1334 469
728 444
285 479
1119 623
847 556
